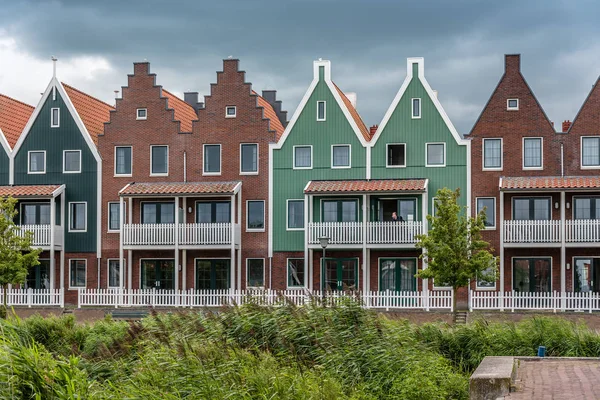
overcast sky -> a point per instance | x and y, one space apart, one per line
463 43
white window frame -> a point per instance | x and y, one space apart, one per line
77 259
349 156
264 273
54 124
248 214
477 287
483 167
541 153
581 166
65 162
509 108
227 115
29 171
84 230
220 159
440 287
426 151
294 156
159 173
137 114
487 228
108 218
287 210
108 274
257 159
412 108
287 283
115 163
386 155
433 200
324 111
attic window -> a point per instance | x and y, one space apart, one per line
320 111
55 118
142 113
230 112
512 104
416 108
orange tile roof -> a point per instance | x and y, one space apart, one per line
93 112
367 186
361 125
13 118
549 182
28 190
270 113
184 112
178 188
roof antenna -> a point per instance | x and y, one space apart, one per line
54 60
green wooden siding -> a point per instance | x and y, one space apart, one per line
79 187
415 133
4 167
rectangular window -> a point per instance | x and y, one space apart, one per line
114 216
213 212
492 153
302 157
489 203
248 158
536 208
590 152
587 207
512 104
37 162
321 111
295 272
340 156
71 161
35 213
142 113
158 213
416 108
532 153
532 275
55 118
114 275
340 211
396 155
230 112
256 272
77 217
488 273
123 160
159 160
212 159
407 209
295 214
255 215
77 273
436 154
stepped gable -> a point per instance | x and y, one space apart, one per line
184 112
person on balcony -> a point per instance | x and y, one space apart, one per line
396 217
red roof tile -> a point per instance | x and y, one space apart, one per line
13 118
184 112
93 112
549 182
361 125
365 186
175 188
270 113
28 190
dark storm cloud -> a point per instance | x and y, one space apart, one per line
463 43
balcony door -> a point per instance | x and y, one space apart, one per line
38 276
212 274
35 213
339 211
397 274
586 207
340 274
586 274
158 274
213 212
158 213
532 208
405 208
532 275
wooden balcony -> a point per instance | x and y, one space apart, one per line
525 233
584 231
377 234
42 235
162 236
387 232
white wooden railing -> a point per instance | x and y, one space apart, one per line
388 232
191 298
34 297
531 231
550 301
205 234
337 232
41 233
164 234
582 230
148 234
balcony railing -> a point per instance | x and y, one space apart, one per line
582 230
189 234
337 232
41 234
388 232
205 234
531 231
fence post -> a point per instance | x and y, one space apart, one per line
470 300
61 297
387 300
452 300
29 295
79 296
501 300
590 301
425 294
512 303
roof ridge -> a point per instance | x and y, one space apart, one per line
87 95
18 101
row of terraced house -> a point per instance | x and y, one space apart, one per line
176 195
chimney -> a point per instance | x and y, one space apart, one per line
512 62
373 129
271 97
352 97
566 125
192 99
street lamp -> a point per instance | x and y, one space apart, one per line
324 241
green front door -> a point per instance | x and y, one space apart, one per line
397 274
340 274
212 274
39 276
158 274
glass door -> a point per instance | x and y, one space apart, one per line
405 209
340 274
586 274
397 274
532 275
158 274
39 276
212 274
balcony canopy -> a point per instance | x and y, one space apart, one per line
549 183
32 191
367 186
142 189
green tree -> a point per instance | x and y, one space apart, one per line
16 253
453 248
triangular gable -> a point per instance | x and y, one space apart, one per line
409 76
589 105
334 92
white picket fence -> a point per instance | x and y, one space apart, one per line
549 301
439 299
34 297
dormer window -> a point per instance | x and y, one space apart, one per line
512 104
55 118
142 113
230 112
